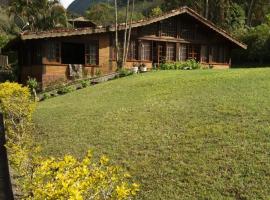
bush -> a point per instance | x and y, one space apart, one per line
46 96
65 90
69 178
17 106
33 85
85 83
188 65
125 72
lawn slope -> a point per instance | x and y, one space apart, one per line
182 134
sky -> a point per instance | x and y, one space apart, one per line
66 2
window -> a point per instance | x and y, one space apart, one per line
91 53
132 52
193 52
146 51
182 52
168 28
36 54
204 54
54 51
170 52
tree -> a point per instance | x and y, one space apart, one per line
40 14
101 13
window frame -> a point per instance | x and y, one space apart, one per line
92 53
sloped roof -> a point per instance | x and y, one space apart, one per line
86 31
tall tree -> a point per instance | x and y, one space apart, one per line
116 33
129 32
125 35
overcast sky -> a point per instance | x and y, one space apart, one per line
66 2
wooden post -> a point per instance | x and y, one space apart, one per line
5 182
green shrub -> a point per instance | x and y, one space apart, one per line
187 65
65 90
125 72
46 96
33 85
85 83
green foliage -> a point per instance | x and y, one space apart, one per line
187 65
235 18
125 72
32 83
258 41
41 15
85 83
156 12
66 89
3 40
46 96
101 13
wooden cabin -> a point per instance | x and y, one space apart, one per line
175 36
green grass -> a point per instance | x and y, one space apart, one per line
182 134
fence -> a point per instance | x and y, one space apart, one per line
5 182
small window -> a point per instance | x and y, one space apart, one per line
54 51
91 53
170 52
146 51
182 52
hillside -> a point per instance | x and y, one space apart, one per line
142 6
80 6
181 134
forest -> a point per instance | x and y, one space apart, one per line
247 20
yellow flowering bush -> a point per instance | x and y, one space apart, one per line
67 178
17 108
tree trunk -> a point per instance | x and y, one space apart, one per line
250 10
116 33
5 182
125 36
129 31
206 9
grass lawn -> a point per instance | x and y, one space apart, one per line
181 134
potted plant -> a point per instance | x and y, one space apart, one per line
143 68
135 68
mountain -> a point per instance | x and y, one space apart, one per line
80 6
